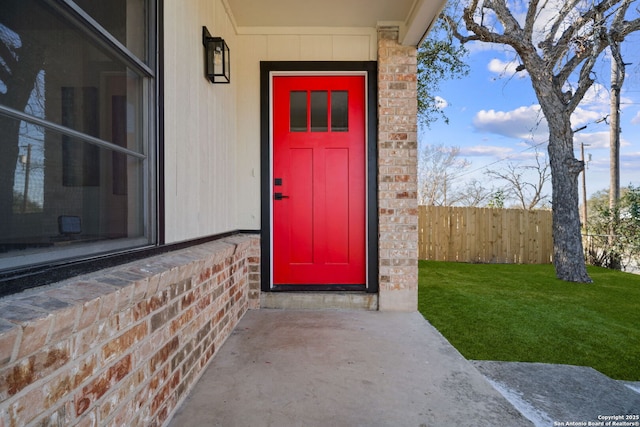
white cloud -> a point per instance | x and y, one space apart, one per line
597 140
582 117
630 162
506 69
441 103
521 123
636 119
597 97
529 124
486 151
477 46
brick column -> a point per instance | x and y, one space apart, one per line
397 173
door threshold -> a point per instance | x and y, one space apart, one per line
328 300
319 288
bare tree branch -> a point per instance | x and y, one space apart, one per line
8 59
504 15
481 32
560 19
532 13
438 171
528 195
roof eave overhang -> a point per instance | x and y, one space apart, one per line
413 29
420 21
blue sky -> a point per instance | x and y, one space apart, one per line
495 119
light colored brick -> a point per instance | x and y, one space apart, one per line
63 324
34 336
90 393
10 335
108 305
27 371
25 408
88 314
89 419
118 346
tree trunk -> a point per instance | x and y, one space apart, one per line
8 160
568 254
19 79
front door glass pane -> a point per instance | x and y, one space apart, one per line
298 111
319 111
340 111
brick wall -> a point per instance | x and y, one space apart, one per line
123 346
398 159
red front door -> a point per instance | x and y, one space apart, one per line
318 186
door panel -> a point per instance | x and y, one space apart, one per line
319 180
299 207
337 205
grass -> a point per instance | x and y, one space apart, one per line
523 313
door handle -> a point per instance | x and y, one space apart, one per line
279 196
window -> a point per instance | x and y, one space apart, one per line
320 111
76 129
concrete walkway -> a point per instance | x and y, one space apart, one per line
556 395
336 368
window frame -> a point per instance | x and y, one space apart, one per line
45 270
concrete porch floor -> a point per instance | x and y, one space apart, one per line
341 368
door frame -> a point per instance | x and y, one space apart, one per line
269 69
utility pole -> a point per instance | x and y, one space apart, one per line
614 135
27 171
617 77
584 189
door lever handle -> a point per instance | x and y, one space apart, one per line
279 196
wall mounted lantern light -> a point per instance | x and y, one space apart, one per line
217 59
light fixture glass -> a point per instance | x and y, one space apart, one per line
217 58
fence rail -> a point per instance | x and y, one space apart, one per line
485 235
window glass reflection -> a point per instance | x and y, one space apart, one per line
62 77
55 75
61 176
123 19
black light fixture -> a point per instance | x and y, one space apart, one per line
217 59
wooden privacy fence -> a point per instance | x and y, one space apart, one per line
486 235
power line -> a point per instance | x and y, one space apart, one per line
534 146
509 157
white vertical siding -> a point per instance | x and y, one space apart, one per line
251 50
212 132
313 47
346 48
200 125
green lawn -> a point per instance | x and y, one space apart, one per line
523 313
